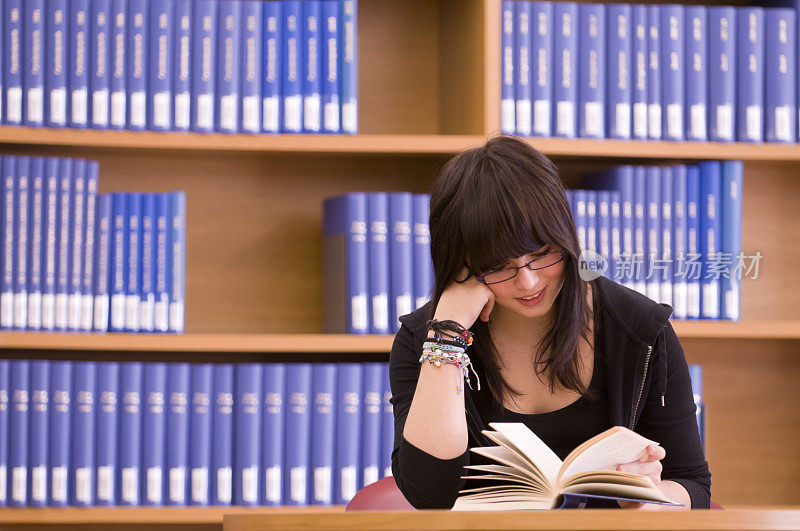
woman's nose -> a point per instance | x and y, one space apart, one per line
526 279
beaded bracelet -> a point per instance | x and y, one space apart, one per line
458 357
450 330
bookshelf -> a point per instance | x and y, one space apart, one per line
428 87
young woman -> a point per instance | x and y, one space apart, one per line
566 357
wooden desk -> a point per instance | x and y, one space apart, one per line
744 518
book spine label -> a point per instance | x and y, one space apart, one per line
39 431
592 71
522 67
79 63
159 90
672 70
154 388
134 260
56 52
118 64
247 420
177 435
423 266
137 56
60 432
348 400
331 107
161 310
130 432
77 229
732 177
273 431
21 223
750 74
87 280
19 382
693 241
292 50
271 68
108 392
371 423
696 38
12 71
710 233
83 433
182 74
312 67
322 433
222 436
401 251
147 293
378 252
639 60
204 57
33 74
177 262
118 261
103 268
541 58
7 280
654 72
508 49
781 75
229 49
679 276
721 73
99 81
565 80
387 424
667 231
348 68
619 72
36 248
298 433
200 434
252 27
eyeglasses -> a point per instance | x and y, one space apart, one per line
541 262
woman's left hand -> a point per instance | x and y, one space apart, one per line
649 465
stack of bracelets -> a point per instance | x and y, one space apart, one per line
449 345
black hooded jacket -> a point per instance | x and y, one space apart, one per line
647 382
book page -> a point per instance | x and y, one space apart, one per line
611 448
523 439
625 491
501 470
507 457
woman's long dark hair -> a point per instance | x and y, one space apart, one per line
494 203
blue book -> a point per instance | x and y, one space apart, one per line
323 427
147 288
100 56
721 73
118 77
21 242
177 261
134 256
696 377
348 431
694 259
228 77
378 252
423 266
331 95
639 229
348 69
592 71
372 391
118 261
620 70
542 26
344 230
672 70
182 74
679 241
653 232
159 82
36 248
200 433
579 216
710 230
103 268
667 254
63 256
522 67
292 82
87 281
251 66
604 231
138 40
7 280
77 229
247 427
19 385
750 74
272 437
50 243
591 221
204 60
161 317
84 392
508 61
131 380
154 420
298 433
38 422
387 424
60 431
56 49
312 67
731 245
565 69
34 63
654 99
222 436
615 222
4 392
177 435
79 36
12 64
639 59
401 249
272 68
780 73
696 67
108 392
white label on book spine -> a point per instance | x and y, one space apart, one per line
350 117
79 106
782 130
593 118
177 482
387 471
331 112
19 484
224 477
87 309
710 300
697 116
541 117
653 290
35 311
250 116
679 300
380 311
161 316
200 485
161 110
176 314
347 479
101 312
83 485
725 122
402 304
146 314
693 300
358 317
36 105
292 112
21 310
666 293
132 312
322 484
524 117
370 475
118 311
623 120
138 109
507 116
272 484
100 108
250 484
753 122
675 120
271 116
118 103
565 118
654 120
74 315
58 106
183 110
3 480
58 491
311 112
14 105
130 485
228 108
39 484
205 111
297 484
7 310
153 484
105 483
640 120
421 301
732 302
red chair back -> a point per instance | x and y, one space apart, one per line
383 495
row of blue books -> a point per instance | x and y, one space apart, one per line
73 260
377 260
106 433
669 71
673 233
230 66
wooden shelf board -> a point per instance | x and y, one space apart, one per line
737 330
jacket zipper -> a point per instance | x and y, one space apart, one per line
641 387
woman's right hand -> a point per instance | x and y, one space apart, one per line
465 302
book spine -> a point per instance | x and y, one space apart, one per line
39 431
780 67
592 71
7 280
177 435
159 82
104 264
615 227
4 434
579 216
639 61
56 49
666 225
710 232
331 108
387 424
65 207
522 67
177 262
84 387
161 310
619 71
696 38
204 57
591 220
402 259
541 59
693 242
60 432
118 78
108 393
77 229
639 228
672 70
154 389
19 383
272 68
79 45
130 432
137 46
721 73
507 58
679 300
251 66
348 430
200 434
423 266
147 293
604 231
273 431
349 66
33 73
247 425
182 74
292 49
322 433
696 377
750 74
229 46
732 181
36 248
20 258
565 84
49 243
99 80
118 260
654 72
371 423
312 67
298 433
653 232
133 254
624 180
12 71
378 253
87 281
222 436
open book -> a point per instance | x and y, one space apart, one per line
529 475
